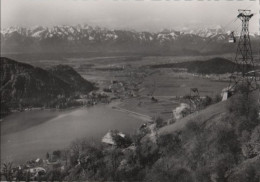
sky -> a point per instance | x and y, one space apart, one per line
140 15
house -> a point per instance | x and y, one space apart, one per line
227 92
109 137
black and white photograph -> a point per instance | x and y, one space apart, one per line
130 90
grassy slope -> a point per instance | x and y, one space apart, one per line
214 144
202 116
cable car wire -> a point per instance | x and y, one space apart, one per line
211 38
229 23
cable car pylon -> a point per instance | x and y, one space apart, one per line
244 64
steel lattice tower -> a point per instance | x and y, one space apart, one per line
243 71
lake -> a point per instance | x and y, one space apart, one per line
57 129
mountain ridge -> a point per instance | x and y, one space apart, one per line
23 85
85 37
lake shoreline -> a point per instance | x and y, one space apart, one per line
56 130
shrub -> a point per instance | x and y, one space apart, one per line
57 153
129 168
147 153
217 98
6 171
203 174
122 142
54 175
207 101
159 122
112 160
182 175
191 130
255 139
225 140
166 170
169 143
247 173
244 106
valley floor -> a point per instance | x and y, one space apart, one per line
203 146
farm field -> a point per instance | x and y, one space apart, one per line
169 89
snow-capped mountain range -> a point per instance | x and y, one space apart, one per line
60 36
83 31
